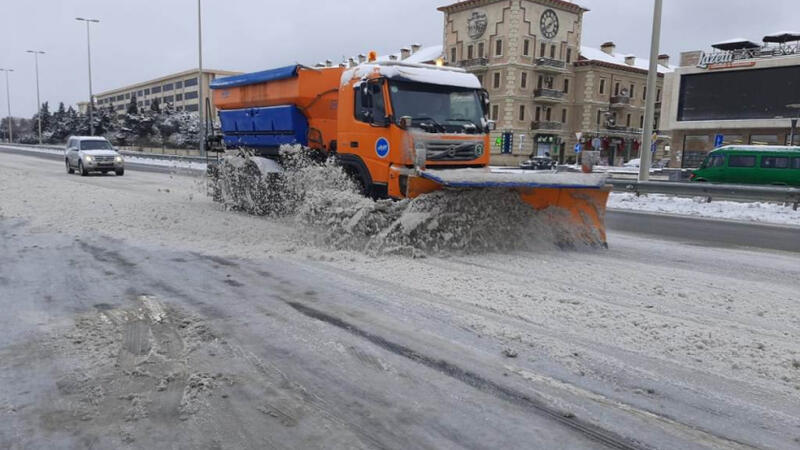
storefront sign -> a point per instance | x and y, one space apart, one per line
722 60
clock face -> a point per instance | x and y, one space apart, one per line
549 24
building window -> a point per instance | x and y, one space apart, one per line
641 121
190 95
547 114
542 50
147 91
139 93
156 89
498 47
764 139
526 47
540 82
658 95
168 87
178 84
521 113
616 88
470 50
553 52
480 49
566 86
524 80
120 97
599 117
178 97
495 112
564 115
191 107
602 86
644 93
631 93
190 82
127 96
169 99
538 113
628 121
569 55
496 80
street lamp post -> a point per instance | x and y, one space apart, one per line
650 101
8 99
202 128
36 54
89 53
796 107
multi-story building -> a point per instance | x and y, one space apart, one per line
181 90
741 92
544 87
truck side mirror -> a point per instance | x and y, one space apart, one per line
491 125
484 95
405 122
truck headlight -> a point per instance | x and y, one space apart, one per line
118 159
479 149
420 154
88 158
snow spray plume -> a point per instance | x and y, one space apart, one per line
325 200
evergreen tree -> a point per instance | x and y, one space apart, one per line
47 118
155 106
132 107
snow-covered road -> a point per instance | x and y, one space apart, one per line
152 316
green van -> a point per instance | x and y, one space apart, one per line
751 164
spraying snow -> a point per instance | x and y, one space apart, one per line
322 198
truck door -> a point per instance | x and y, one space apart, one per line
368 137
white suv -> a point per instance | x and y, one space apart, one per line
92 154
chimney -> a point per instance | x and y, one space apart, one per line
362 58
328 63
608 47
405 52
415 48
351 62
630 60
663 59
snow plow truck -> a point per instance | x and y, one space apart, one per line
400 129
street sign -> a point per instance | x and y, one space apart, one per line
718 140
578 148
508 142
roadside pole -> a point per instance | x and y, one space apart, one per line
202 128
8 100
649 114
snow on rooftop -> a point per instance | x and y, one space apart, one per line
423 55
595 54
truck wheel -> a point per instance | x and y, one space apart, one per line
82 169
69 168
120 172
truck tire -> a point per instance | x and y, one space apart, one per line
82 169
69 168
120 172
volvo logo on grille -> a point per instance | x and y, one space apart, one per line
451 152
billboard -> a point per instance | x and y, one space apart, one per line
739 94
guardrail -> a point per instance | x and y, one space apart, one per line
161 156
711 192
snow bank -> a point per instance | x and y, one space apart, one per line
754 212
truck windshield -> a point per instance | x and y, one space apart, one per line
95 145
438 108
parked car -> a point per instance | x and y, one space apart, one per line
92 154
538 163
751 164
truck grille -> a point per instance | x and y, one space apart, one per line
104 159
451 150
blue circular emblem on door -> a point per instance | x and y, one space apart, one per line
382 147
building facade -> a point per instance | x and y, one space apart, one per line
544 87
181 90
740 92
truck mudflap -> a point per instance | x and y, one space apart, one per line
582 196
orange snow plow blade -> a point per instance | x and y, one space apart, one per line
582 196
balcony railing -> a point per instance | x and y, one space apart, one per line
474 62
552 64
548 94
546 125
623 129
619 101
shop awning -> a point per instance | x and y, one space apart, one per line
735 44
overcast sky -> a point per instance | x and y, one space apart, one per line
141 39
